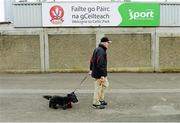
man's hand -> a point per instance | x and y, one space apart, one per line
90 72
102 78
104 81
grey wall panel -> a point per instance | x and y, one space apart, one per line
27 15
130 51
70 52
19 53
169 54
8 10
170 15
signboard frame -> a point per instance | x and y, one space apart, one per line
99 14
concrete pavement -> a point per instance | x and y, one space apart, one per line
138 97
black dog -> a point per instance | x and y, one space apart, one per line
64 102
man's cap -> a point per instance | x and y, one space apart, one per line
105 39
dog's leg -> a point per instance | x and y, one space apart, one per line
69 105
54 106
50 105
64 107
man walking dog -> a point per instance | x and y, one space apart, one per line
98 70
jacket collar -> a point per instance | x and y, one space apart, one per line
102 46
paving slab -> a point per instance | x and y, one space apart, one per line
132 97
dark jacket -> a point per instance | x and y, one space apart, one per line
98 63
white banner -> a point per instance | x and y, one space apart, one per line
80 14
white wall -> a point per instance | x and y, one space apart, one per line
149 0
61 0
2 16
8 16
108 0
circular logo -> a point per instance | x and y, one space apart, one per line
56 12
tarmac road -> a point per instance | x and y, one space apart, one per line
137 97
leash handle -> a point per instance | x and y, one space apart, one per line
85 77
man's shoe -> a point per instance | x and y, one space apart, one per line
99 106
103 102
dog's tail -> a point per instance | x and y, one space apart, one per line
47 97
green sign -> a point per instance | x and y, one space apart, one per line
139 14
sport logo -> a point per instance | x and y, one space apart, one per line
56 12
144 15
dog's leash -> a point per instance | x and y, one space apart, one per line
85 77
